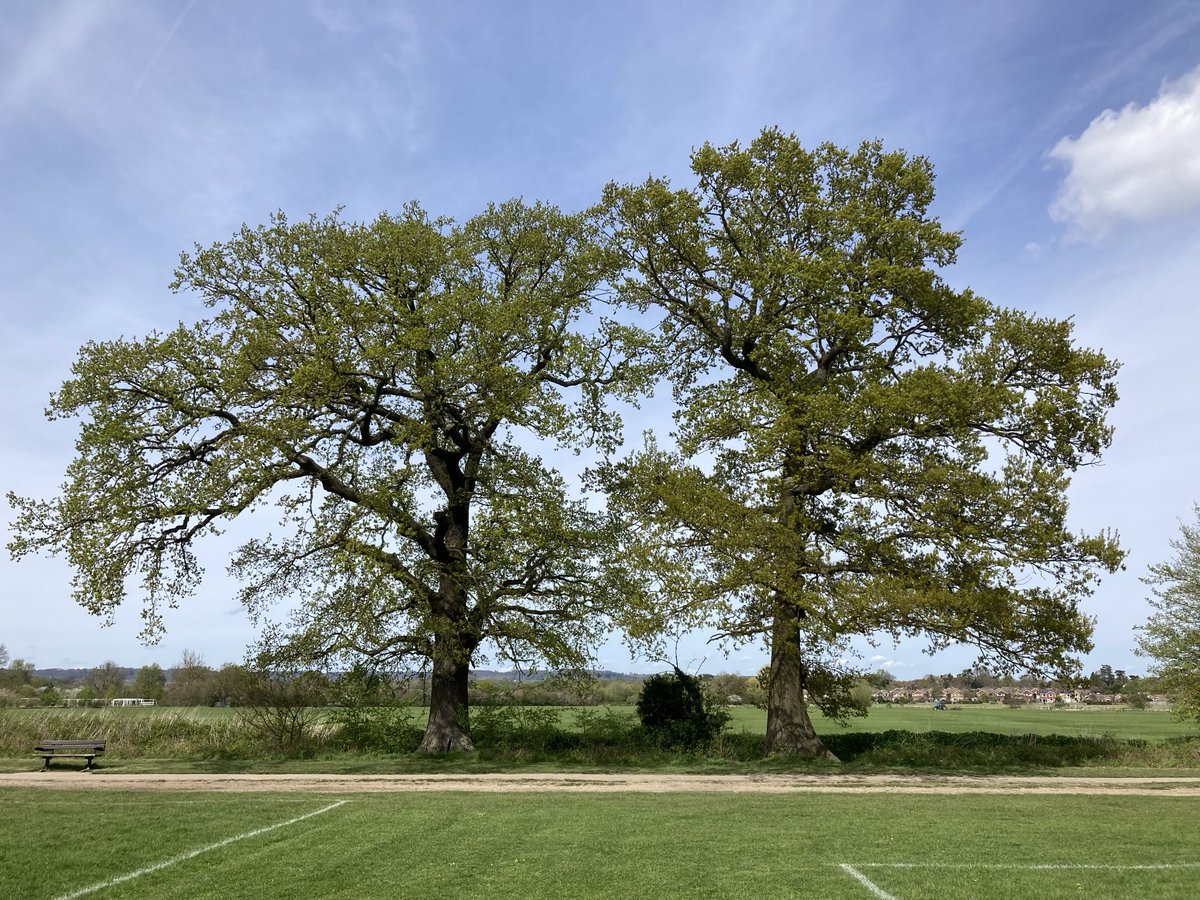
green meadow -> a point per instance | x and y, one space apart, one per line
1082 721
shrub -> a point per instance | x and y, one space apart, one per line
674 709
277 712
528 729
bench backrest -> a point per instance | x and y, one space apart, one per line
71 745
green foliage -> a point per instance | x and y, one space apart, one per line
1172 636
532 729
191 682
981 751
675 710
838 693
106 680
973 738
150 682
369 717
552 691
380 384
18 675
862 448
1137 700
376 729
733 690
279 711
879 679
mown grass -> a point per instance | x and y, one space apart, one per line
599 846
592 739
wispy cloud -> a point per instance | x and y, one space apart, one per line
1139 164
1169 23
199 141
45 54
141 79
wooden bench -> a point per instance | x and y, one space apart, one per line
88 750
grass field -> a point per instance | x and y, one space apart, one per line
1084 721
161 844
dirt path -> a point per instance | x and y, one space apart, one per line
1184 786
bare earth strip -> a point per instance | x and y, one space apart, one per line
1183 786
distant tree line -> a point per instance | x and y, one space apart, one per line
190 682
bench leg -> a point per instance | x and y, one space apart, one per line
46 764
88 767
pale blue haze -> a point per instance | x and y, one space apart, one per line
131 129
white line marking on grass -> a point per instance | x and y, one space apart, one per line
866 882
1031 866
194 853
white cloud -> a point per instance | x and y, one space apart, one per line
1139 164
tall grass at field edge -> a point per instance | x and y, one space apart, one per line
541 737
170 734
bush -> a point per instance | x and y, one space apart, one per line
528 729
277 711
378 729
674 709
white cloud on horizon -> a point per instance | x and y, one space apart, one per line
1140 164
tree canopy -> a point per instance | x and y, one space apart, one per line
1172 636
862 448
385 385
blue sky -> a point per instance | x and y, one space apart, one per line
1066 138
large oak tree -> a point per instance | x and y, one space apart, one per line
862 448
386 385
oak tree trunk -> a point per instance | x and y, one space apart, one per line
789 729
448 728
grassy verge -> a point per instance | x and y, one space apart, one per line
545 739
